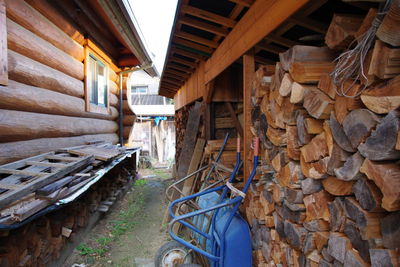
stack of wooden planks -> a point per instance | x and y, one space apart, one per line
329 187
30 185
43 240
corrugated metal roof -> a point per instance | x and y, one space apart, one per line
147 100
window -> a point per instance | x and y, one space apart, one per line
97 81
139 90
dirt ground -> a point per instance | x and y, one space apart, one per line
132 232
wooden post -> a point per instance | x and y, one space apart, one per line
3 45
248 73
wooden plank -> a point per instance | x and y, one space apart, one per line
186 53
197 39
99 153
10 186
246 3
262 18
11 196
22 172
204 26
61 158
3 45
194 164
248 74
208 16
182 42
236 121
183 61
45 164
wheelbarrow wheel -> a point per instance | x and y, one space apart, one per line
172 254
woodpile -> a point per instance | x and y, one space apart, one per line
39 242
328 192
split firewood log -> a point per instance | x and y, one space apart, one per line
337 187
390 228
351 168
339 135
389 28
317 104
368 195
341 31
317 205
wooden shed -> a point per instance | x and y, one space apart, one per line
59 73
327 188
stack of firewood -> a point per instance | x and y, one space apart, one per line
329 192
181 117
40 242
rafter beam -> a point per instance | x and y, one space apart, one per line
178 73
208 16
195 46
246 3
270 48
204 26
197 39
179 67
309 24
182 61
262 18
186 53
281 40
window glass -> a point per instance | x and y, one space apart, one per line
139 90
97 73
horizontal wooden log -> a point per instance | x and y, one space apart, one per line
18 150
318 104
368 195
19 125
351 169
28 44
338 244
113 87
316 149
310 72
19 96
317 206
113 100
337 187
23 14
384 257
390 25
341 31
25 70
391 230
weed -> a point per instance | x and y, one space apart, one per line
125 221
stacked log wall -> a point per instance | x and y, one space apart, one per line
46 86
328 192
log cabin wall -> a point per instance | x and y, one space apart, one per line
43 103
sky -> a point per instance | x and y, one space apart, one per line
155 18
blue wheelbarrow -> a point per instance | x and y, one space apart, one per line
219 235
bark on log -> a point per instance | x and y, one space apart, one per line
358 125
338 134
368 195
338 215
295 234
351 168
23 14
382 142
309 186
391 230
362 246
293 147
386 177
316 225
28 44
25 70
353 258
384 257
18 96
129 120
18 150
18 126
303 135
338 245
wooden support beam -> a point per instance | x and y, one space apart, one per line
248 73
270 48
175 76
179 67
197 39
177 73
183 61
186 9
262 18
204 26
3 45
186 53
310 24
281 40
194 46
246 3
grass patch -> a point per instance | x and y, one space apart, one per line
124 221
162 173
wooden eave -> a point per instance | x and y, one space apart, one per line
202 33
